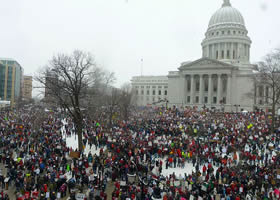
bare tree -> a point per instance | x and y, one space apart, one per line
269 77
69 79
112 104
126 100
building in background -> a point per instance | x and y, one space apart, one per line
51 81
11 80
221 79
27 88
150 90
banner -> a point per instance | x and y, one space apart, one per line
74 154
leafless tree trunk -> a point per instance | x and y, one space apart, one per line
66 80
269 76
126 100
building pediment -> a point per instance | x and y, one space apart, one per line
206 63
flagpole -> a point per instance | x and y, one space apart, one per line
141 66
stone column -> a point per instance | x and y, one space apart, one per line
213 51
269 92
192 89
219 51
210 89
238 51
248 52
219 89
183 88
231 51
228 99
263 92
257 94
201 89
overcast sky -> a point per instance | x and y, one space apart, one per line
121 32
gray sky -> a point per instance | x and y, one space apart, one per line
121 32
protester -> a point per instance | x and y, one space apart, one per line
223 156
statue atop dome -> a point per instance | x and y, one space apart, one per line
226 3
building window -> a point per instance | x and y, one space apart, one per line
217 54
261 91
165 92
228 32
136 92
215 88
142 87
154 86
222 54
206 86
224 86
197 85
153 99
188 85
159 92
154 92
205 99
223 32
227 54
148 92
224 100
233 56
159 87
147 98
217 33
147 87
196 99
165 87
233 32
188 99
142 92
214 100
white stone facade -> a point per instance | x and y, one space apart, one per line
223 77
211 83
150 90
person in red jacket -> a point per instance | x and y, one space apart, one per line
204 170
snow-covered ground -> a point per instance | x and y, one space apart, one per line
179 172
72 141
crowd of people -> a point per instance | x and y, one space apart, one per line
156 154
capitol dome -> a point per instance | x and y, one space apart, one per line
226 15
226 38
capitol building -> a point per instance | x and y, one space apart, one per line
221 79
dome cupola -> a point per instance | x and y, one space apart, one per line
226 37
226 14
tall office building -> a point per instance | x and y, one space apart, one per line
50 82
11 80
27 87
